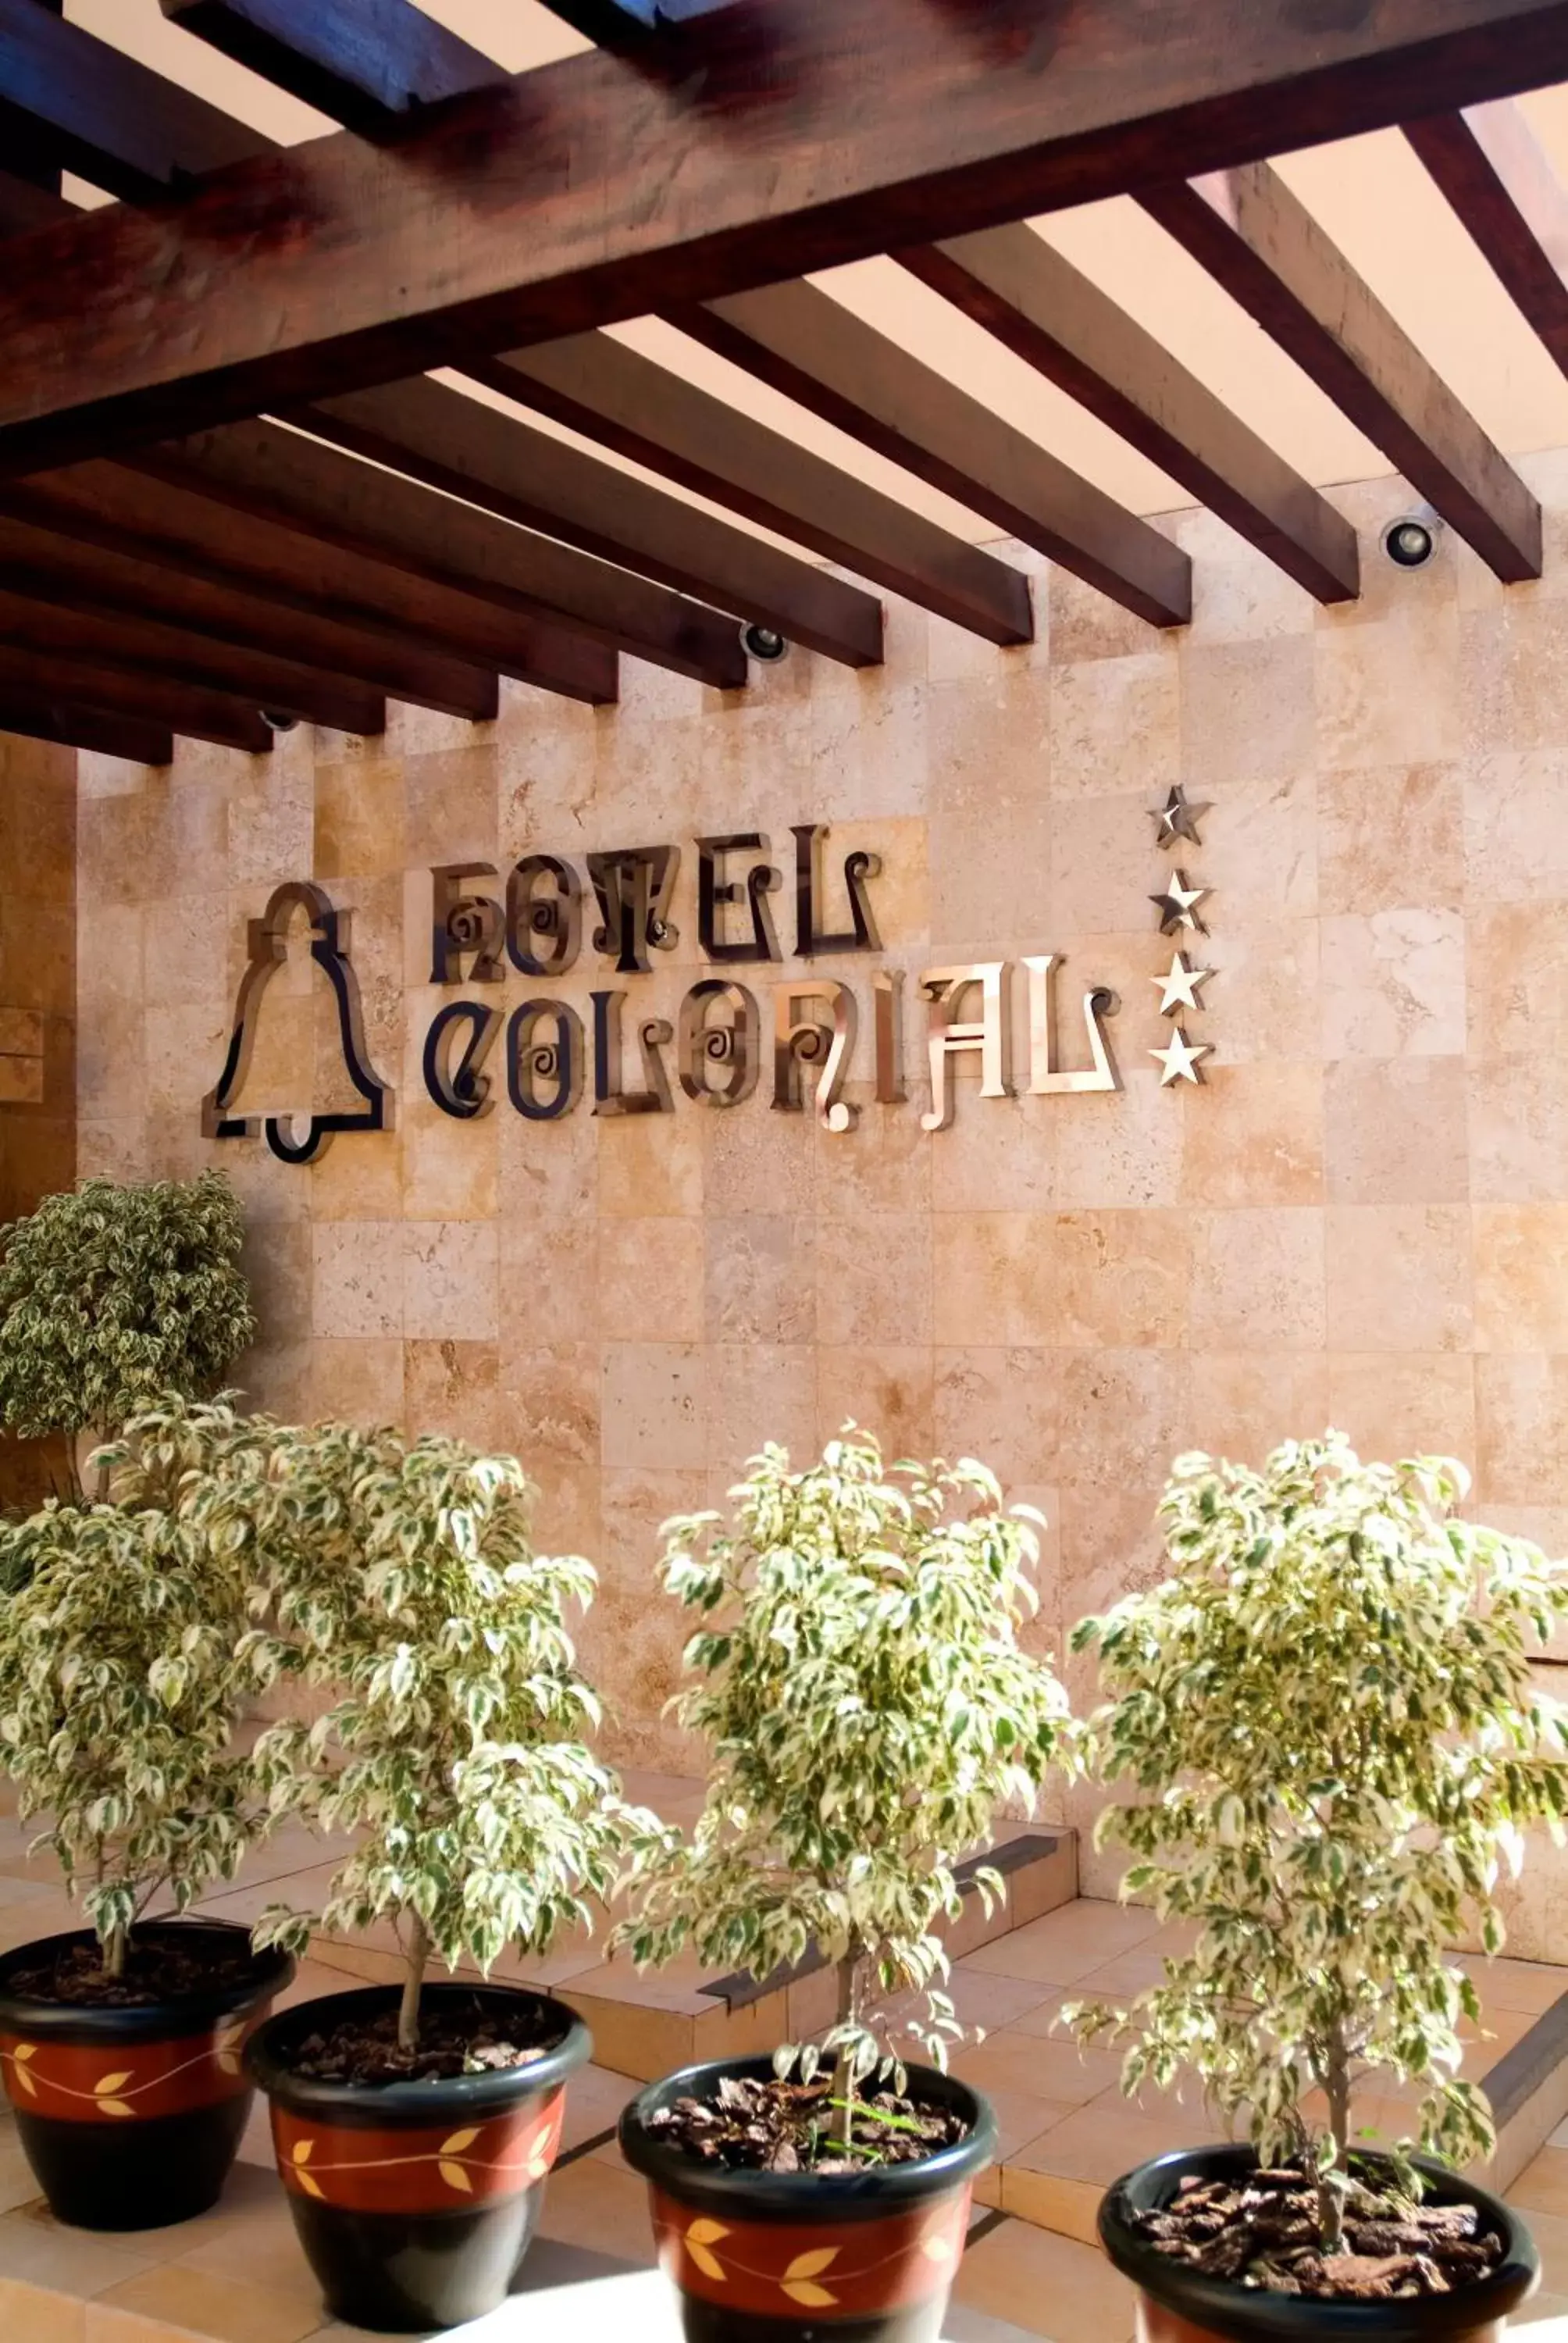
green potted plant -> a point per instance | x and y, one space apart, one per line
112 1296
126 1656
868 1709
1326 1717
414 2124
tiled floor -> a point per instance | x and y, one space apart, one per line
236 2277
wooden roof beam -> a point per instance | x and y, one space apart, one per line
615 23
454 443
49 568
25 208
818 352
112 640
128 513
84 728
262 469
201 714
599 386
805 133
1009 280
368 64
1495 173
1261 243
101 113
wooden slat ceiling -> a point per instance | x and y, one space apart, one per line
283 511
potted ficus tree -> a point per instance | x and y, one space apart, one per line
414 2123
1326 1721
868 1709
127 1653
113 1294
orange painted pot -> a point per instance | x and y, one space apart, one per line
130 2117
1179 2305
416 2202
865 2257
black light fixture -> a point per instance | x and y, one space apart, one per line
1411 541
764 644
277 721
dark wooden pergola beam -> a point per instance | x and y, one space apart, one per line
452 442
367 64
108 505
1013 283
49 568
805 133
201 714
98 112
1262 244
261 468
25 208
84 728
818 352
608 392
190 578
1489 166
629 22
147 645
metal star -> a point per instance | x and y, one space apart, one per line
1177 905
1178 1062
1176 819
1179 987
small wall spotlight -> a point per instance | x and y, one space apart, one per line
764 644
277 722
1411 541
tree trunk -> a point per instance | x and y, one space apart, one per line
844 2091
113 1953
1331 2186
408 2008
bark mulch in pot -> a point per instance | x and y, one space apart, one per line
1261 2230
454 2038
159 1968
769 2126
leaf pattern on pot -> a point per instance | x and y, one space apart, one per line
813 2265
700 2238
455 2177
814 2298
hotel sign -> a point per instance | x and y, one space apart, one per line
604 920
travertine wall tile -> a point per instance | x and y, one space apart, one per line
1399 1278
655 1406
1521 1277
1257 1280
1358 1217
44 958
1265 1146
1247 709
451 1280
1395 1131
1394 983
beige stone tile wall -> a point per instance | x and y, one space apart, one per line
1361 1217
37 1023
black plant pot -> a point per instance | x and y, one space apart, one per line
1177 2305
415 2202
130 2117
865 2257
